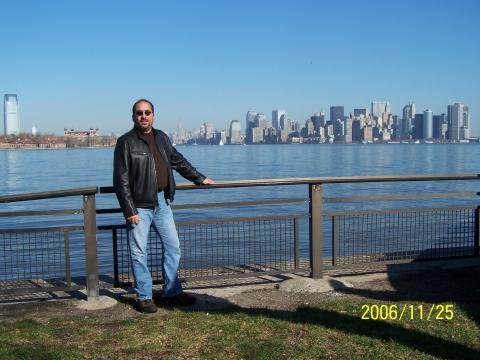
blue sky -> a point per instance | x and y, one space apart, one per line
83 63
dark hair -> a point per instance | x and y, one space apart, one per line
139 101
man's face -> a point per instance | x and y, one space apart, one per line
143 117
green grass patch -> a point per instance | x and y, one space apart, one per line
332 329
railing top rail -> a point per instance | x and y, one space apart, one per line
48 194
246 183
317 180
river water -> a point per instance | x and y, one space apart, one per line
26 171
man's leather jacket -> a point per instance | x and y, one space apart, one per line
134 177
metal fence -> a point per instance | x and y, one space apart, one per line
267 243
38 260
362 237
220 248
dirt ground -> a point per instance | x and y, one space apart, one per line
458 285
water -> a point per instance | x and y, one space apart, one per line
46 170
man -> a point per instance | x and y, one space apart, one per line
143 181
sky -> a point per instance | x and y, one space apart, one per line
81 64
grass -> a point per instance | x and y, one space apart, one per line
329 330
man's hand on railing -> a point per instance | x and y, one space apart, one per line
134 219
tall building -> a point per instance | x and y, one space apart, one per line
417 131
440 126
381 109
318 120
235 132
249 125
285 123
11 115
261 121
336 112
428 124
348 130
459 121
407 121
276 115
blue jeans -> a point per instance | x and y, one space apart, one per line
162 219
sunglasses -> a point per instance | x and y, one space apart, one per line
140 112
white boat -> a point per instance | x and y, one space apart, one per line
221 143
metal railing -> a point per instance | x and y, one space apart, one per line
240 246
38 259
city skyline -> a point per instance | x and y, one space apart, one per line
227 58
280 118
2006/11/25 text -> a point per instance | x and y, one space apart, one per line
407 311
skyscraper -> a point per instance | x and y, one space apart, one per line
381 111
235 132
276 115
459 121
440 126
318 120
10 114
336 112
427 124
249 125
407 120
417 130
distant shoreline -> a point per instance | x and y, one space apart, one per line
188 145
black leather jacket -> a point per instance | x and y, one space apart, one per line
134 178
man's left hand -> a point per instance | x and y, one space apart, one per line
208 181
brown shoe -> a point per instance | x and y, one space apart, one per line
182 299
146 306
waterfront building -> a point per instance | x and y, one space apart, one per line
310 128
427 124
285 123
440 126
209 131
271 135
235 132
407 120
11 114
329 130
219 137
318 120
347 130
336 112
249 125
257 135
356 130
338 129
261 121
367 133
417 129
283 135
459 121
276 115
81 134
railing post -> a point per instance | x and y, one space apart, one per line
316 241
90 232
476 239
